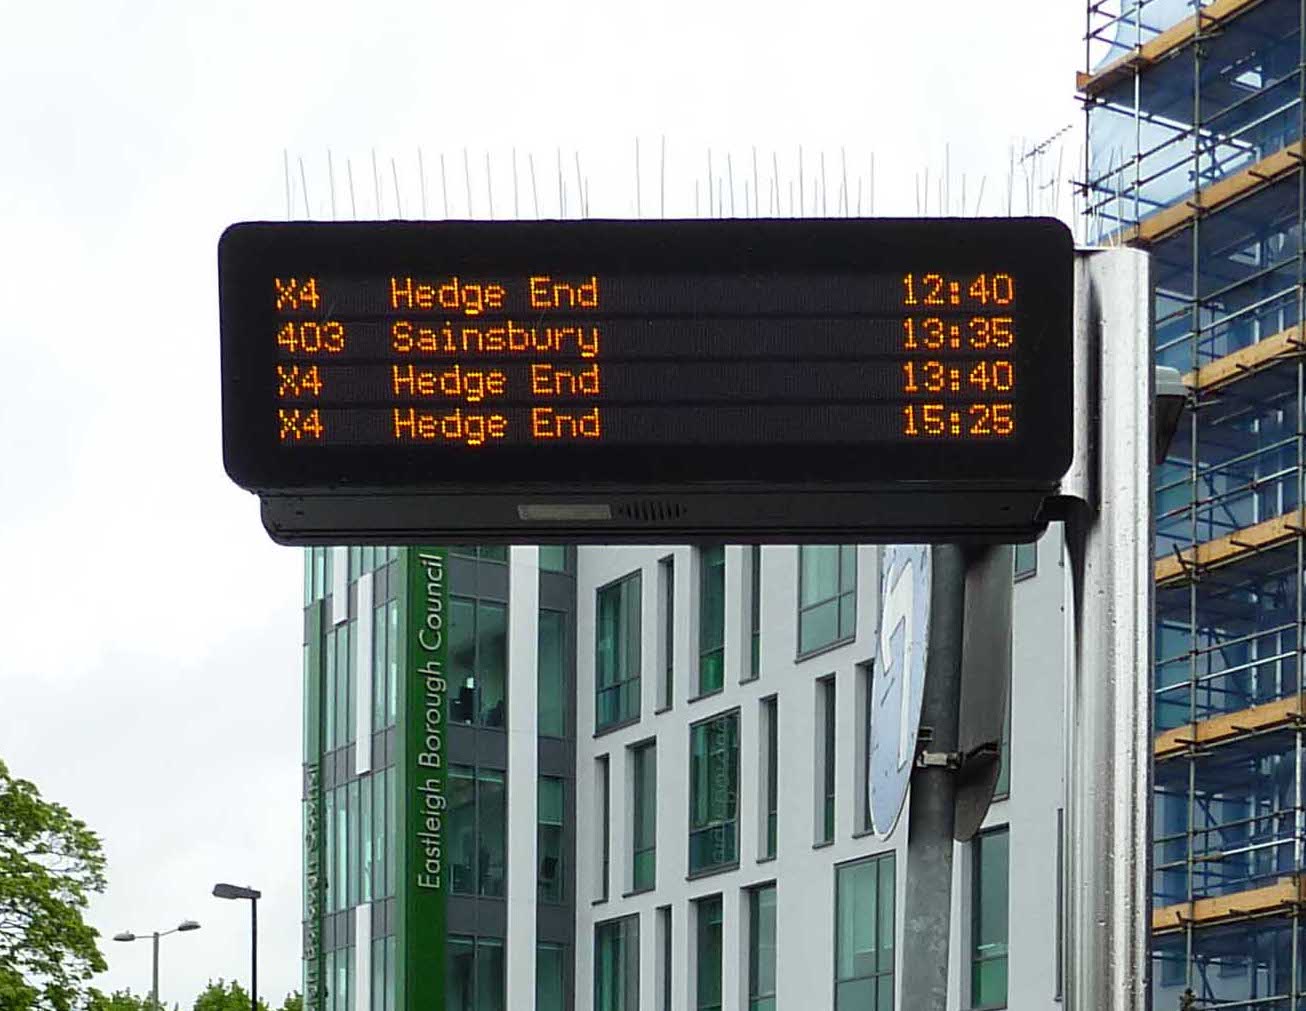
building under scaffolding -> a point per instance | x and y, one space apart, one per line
1195 129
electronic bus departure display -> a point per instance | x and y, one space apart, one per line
572 356
368 353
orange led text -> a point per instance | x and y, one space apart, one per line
546 423
551 381
509 337
472 385
546 293
472 429
452 295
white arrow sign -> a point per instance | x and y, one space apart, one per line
899 679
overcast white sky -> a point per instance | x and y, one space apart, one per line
151 680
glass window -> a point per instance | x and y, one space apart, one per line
1003 787
379 975
707 986
391 944
1026 560
378 833
354 848
616 965
475 977
484 552
761 949
864 932
667 599
319 572
866 674
754 611
345 684
341 848
826 689
617 653
392 661
827 595
644 781
711 619
550 977
391 821
460 984
477 818
478 661
771 724
380 705
665 941
553 558
328 850
551 682
988 965
552 794
365 840
605 824
714 793
329 694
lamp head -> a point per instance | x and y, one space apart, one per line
188 925
225 891
125 935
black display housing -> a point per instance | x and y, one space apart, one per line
942 489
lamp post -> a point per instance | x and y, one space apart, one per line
223 891
127 935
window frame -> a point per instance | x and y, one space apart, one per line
711 570
477 943
770 827
627 928
754 669
977 889
705 906
559 876
754 998
825 688
643 760
876 975
714 824
563 684
1024 561
627 688
477 778
479 604
563 952
667 632
843 552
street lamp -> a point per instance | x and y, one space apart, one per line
223 891
127 935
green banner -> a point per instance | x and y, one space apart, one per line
314 876
424 884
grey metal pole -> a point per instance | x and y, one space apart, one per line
253 949
1109 696
154 978
928 913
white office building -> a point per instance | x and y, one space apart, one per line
657 787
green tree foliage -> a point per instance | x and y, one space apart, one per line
224 996
293 1002
119 1000
50 863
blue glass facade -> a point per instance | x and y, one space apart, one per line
1194 152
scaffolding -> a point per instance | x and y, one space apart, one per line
1195 124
